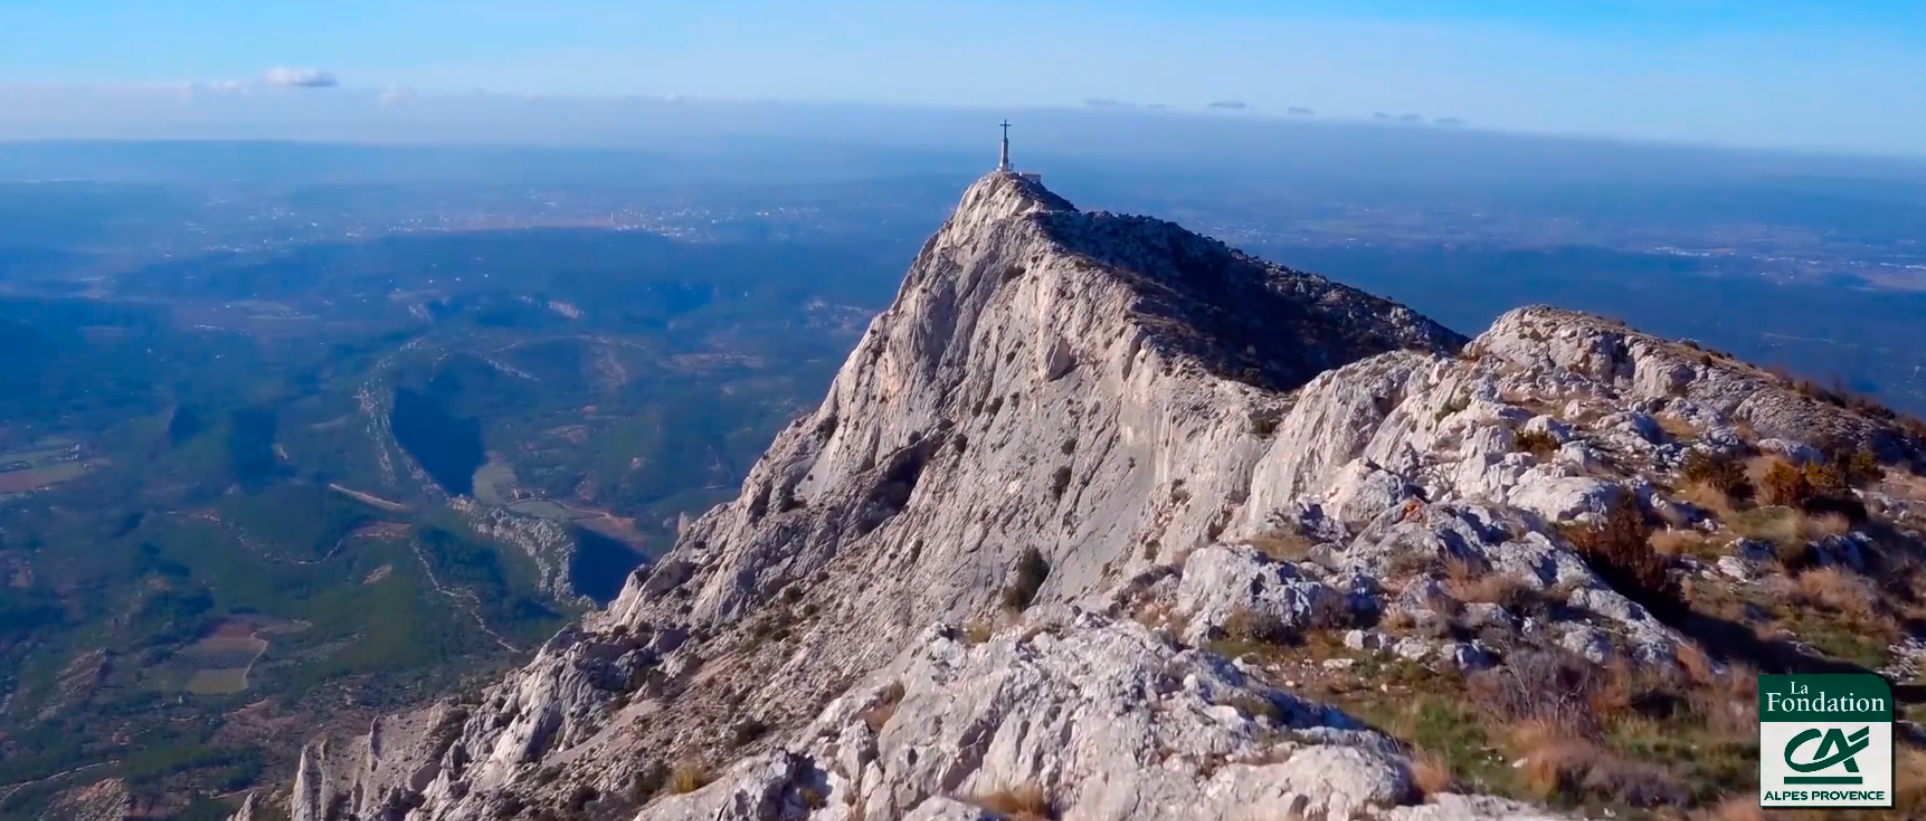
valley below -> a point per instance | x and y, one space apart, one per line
270 496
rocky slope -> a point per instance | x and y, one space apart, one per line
1083 462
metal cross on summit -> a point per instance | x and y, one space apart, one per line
1004 163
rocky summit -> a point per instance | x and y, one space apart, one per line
1106 520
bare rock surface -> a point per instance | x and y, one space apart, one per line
1147 439
105 800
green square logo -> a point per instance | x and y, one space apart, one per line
1825 740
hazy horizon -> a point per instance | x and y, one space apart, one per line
1782 74
845 141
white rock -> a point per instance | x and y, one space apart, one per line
1363 640
1564 498
1412 649
1735 568
1589 643
1220 582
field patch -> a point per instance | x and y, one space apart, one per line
380 530
218 663
494 481
378 574
553 510
20 481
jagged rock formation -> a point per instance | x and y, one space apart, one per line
106 800
1097 414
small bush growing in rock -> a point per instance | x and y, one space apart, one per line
1861 468
1535 442
977 632
1024 803
1822 488
1026 579
1456 404
1285 544
812 798
1540 687
1264 424
1825 479
878 716
1619 550
1785 485
688 777
1246 625
1717 471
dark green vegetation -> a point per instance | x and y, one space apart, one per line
233 529
447 446
600 565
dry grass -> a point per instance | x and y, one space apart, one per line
1841 592
1619 733
1823 525
1904 485
1551 757
978 631
1246 625
1398 621
1024 803
878 716
1727 705
1430 773
689 776
1736 808
1758 468
1698 666
1909 781
1284 545
1776 524
1683 543
1558 766
1466 584
1679 428
1711 499
1718 472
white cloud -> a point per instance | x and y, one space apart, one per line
299 78
397 95
1232 105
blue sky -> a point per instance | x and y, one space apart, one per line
1848 75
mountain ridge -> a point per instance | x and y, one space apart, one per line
1090 418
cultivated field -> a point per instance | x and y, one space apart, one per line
218 664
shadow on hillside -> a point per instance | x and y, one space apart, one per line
1729 641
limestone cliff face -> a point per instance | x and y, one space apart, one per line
1043 378
1122 403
